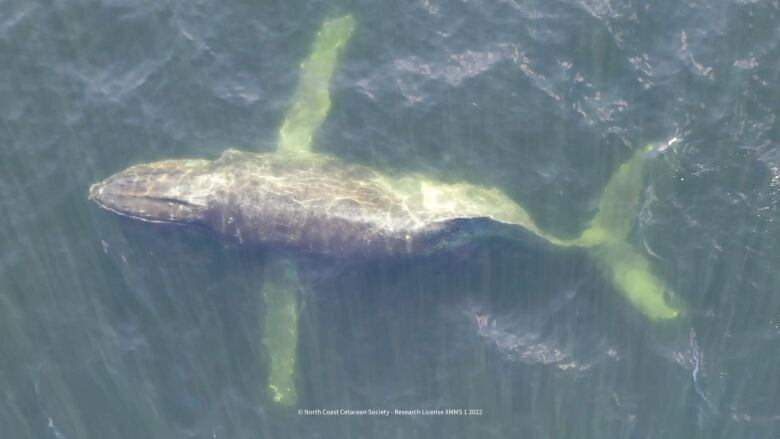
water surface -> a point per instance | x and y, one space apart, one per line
115 329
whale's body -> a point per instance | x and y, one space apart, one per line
311 203
300 200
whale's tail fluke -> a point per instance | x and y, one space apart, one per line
607 240
618 205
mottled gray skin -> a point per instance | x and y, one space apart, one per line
312 203
309 203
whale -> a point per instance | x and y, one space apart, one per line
295 200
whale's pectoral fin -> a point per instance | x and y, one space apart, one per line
607 240
311 102
280 336
281 286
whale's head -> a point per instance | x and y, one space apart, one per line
170 191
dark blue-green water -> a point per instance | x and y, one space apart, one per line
111 329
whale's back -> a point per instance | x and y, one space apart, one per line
324 205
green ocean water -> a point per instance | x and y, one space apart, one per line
111 329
